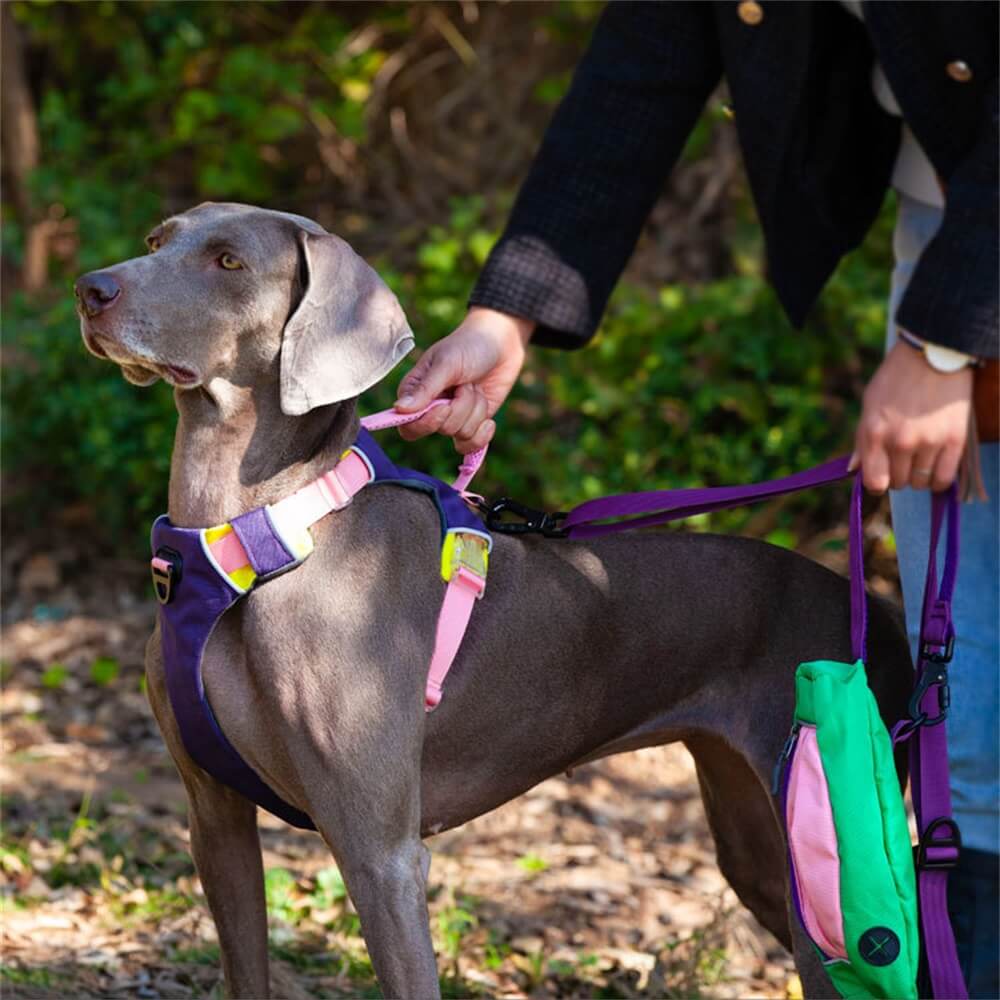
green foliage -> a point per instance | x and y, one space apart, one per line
54 676
532 864
330 888
104 670
453 923
695 385
158 104
279 890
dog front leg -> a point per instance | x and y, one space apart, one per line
388 885
226 850
372 826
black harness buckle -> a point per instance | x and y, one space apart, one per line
929 841
167 567
532 521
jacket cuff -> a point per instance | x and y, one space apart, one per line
524 277
952 297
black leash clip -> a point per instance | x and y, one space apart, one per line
531 521
934 674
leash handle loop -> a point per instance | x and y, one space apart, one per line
471 463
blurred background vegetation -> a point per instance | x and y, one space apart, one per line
405 128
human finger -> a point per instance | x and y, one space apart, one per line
874 460
922 467
437 371
900 453
477 415
458 412
480 439
946 466
429 423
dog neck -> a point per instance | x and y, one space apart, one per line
235 450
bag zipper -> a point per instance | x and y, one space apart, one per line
786 752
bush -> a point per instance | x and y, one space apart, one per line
691 386
149 107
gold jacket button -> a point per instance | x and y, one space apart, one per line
959 71
750 12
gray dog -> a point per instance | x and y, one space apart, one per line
268 327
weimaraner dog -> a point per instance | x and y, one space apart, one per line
268 327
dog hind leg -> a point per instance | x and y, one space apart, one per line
748 842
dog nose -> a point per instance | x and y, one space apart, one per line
96 292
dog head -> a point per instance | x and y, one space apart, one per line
227 291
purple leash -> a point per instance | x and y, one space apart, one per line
940 840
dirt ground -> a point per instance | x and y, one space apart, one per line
602 884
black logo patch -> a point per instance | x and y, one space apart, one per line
879 946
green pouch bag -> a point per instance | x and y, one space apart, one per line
852 874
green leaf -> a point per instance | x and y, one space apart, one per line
104 670
532 863
330 888
279 886
55 676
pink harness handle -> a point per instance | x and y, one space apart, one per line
471 463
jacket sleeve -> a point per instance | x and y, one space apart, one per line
952 297
634 99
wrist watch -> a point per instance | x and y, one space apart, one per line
941 359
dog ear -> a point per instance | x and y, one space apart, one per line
347 333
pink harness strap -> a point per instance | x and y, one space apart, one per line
471 463
465 586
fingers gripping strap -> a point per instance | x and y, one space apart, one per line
471 463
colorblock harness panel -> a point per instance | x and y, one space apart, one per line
199 573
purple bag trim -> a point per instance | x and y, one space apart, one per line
266 551
202 597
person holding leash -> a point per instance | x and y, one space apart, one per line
833 103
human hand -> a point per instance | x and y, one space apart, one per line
481 361
914 424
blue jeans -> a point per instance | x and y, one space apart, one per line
975 670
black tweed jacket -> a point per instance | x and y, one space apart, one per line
818 150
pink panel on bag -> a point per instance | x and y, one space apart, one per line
812 841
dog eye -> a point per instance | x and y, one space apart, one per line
153 243
229 263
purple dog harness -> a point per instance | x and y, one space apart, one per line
199 573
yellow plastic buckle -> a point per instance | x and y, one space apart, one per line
464 549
